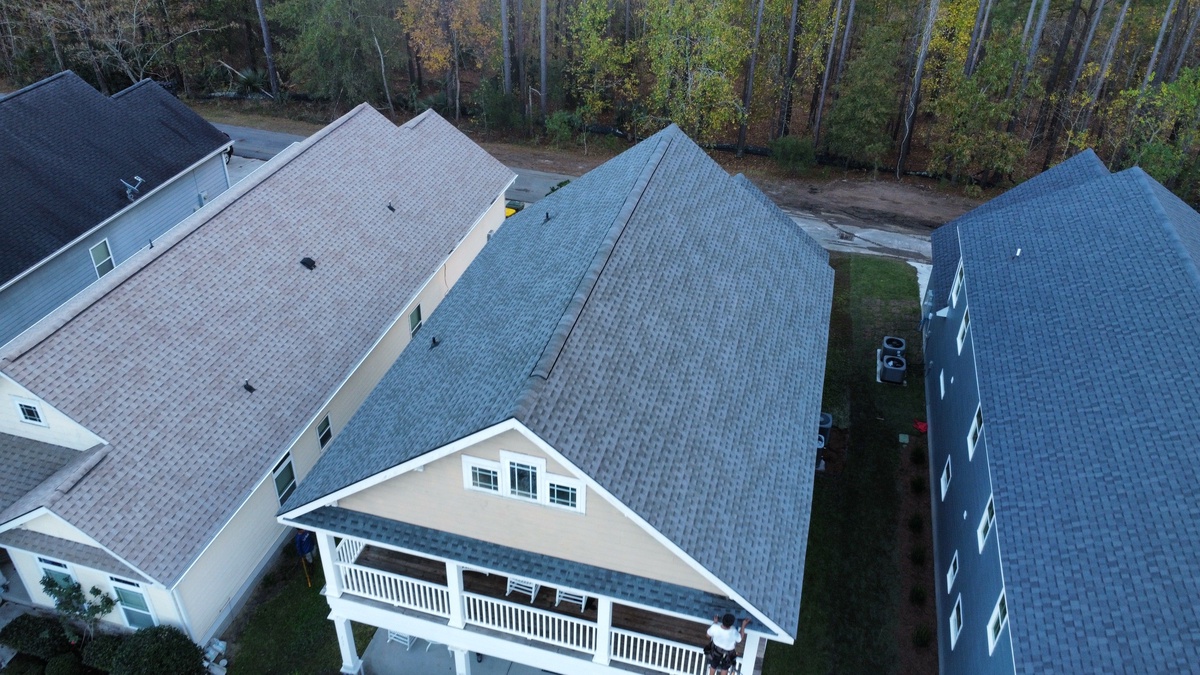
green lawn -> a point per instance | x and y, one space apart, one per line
852 580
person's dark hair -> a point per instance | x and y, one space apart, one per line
727 620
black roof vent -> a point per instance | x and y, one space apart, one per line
247 387
309 263
391 208
434 342
547 218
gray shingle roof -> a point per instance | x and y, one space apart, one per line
1086 351
152 359
41 544
665 331
64 147
26 464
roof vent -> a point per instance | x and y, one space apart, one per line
434 342
391 208
309 263
247 387
547 218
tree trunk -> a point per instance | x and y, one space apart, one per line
914 99
1164 63
506 47
1031 59
522 76
748 93
413 84
53 42
1104 62
251 54
976 38
271 72
1186 46
1028 21
789 74
837 16
627 15
1081 54
841 63
457 81
1157 46
383 74
544 79
1055 70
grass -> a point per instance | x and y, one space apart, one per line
290 632
852 580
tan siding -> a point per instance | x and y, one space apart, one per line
59 429
57 527
603 537
475 241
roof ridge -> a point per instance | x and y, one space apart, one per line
30 87
1164 220
135 85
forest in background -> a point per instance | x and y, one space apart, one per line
978 92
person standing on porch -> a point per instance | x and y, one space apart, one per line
722 645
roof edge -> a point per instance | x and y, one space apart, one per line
30 87
1143 180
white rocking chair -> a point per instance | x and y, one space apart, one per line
525 586
573 598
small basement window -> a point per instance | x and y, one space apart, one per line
997 622
324 432
946 475
956 621
986 523
962 329
952 572
974 433
102 258
285 478
414 321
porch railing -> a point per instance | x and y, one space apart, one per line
395 589
530 623
661 655
348 550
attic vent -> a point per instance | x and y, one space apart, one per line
547 217
248 387
309 263
391 208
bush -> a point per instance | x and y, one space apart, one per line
101 652
561 126
922 637
25 664
917 484
917 596
64 664
794 155
498 110
916 523
156 650
917 555
917 456
38 636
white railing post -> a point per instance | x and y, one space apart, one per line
454 583
328 551
754 645
603 631
462 664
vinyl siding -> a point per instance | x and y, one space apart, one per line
59 429
57 527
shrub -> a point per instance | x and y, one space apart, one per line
38 636
916 523
917 484
917 596
561 126
498 110
64 664
793 155
917 456
922 636
917 555
25 664
160 649
101 652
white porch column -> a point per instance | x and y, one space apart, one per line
333 581
462 661
603 630
454 583
351 664
754 646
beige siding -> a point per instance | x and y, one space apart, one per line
474 241
57 527
604 537
59 429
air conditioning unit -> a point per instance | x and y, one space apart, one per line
824 426
892 370
893 346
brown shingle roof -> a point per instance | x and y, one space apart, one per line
153 360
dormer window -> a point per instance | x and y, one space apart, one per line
524 478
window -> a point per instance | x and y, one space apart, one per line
942 382
958 283
962 330
523 477
952 572
523 480
997 622
324 432
956 621
986 523
56 570
481 474
414 321
976 430
285 478
30 412
566 492
946 473
133 603
101 258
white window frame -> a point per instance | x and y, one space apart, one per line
962 329
975 432
952 572
573 483
947 474
507 459
324 437
37 409
959 276
469 463
987 522
290 489
96 265
956 626
54 565
942 382
125 584
997 622
413 328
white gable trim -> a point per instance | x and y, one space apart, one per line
43 511
23 518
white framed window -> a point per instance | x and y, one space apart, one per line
566 493
102 258
414 321
986 523
946 475
481 474
974 433
962 329
942 382
57 570
958 284
284 475
30 412
132 601
952 572
956 621
324 432
523 480
997 623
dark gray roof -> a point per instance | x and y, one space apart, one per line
1081 168
65 148
41 544
1086 352
665 331
26 464
507 560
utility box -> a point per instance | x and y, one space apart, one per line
893 369
893 346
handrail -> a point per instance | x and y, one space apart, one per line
530 623
349 549
654 653
394 589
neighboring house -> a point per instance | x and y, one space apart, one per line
302 282
606 436
87 181
1062 324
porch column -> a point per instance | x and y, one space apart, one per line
351 664
754 647
454 583
462 661
603 630
328 550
